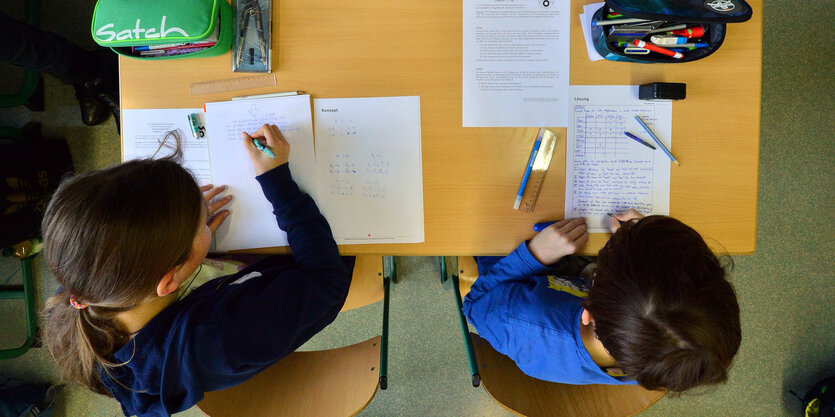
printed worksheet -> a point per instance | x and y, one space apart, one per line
606 171
251 216
144 131
516 62
368 156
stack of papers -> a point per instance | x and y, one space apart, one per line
364 171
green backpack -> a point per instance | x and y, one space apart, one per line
164 29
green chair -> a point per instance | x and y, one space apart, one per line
335 382
526 396
25 251
31 91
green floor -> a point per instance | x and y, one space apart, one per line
786 290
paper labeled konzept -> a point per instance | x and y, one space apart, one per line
515 63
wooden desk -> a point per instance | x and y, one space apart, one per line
368 48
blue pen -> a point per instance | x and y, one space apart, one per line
639 140
655 138
261 147
528 169
541 226
613 216
544 225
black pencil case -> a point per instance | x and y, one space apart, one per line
711 15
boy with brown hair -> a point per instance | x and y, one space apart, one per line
658 312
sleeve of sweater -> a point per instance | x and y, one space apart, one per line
266 317
519 265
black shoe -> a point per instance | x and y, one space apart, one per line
93 111
111 100
106 93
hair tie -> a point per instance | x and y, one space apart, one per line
76 304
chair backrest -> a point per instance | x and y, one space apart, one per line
335 382
366 283
532 397
467 273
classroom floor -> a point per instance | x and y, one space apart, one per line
786 289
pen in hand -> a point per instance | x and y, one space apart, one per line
542 226
263 148
613 216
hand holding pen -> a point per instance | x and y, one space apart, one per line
559 239
267 148
618 219
615 220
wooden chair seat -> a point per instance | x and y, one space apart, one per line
334 382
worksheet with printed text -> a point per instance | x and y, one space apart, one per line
145 133
515 63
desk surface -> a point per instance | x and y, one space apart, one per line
368 48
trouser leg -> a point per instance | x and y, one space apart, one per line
30 47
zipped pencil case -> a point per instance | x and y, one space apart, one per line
163 29
699 26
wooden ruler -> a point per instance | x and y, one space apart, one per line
219 86
540 168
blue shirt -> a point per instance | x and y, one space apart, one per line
534 319
232 327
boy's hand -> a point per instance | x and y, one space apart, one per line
628 215
272 138
559 239
214 218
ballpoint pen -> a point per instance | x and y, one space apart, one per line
639 140
542 226
528 169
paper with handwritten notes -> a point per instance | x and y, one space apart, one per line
368 157
606 171
252 223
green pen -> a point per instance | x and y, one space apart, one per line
263 148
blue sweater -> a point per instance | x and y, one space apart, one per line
534 319
231 328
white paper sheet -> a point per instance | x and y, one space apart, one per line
144 129
369 162
516 62
605 170
585 23
251 216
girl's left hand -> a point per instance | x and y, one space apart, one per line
214 217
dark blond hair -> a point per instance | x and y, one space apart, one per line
109 237
662 306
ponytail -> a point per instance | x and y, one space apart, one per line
109 237
80 340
